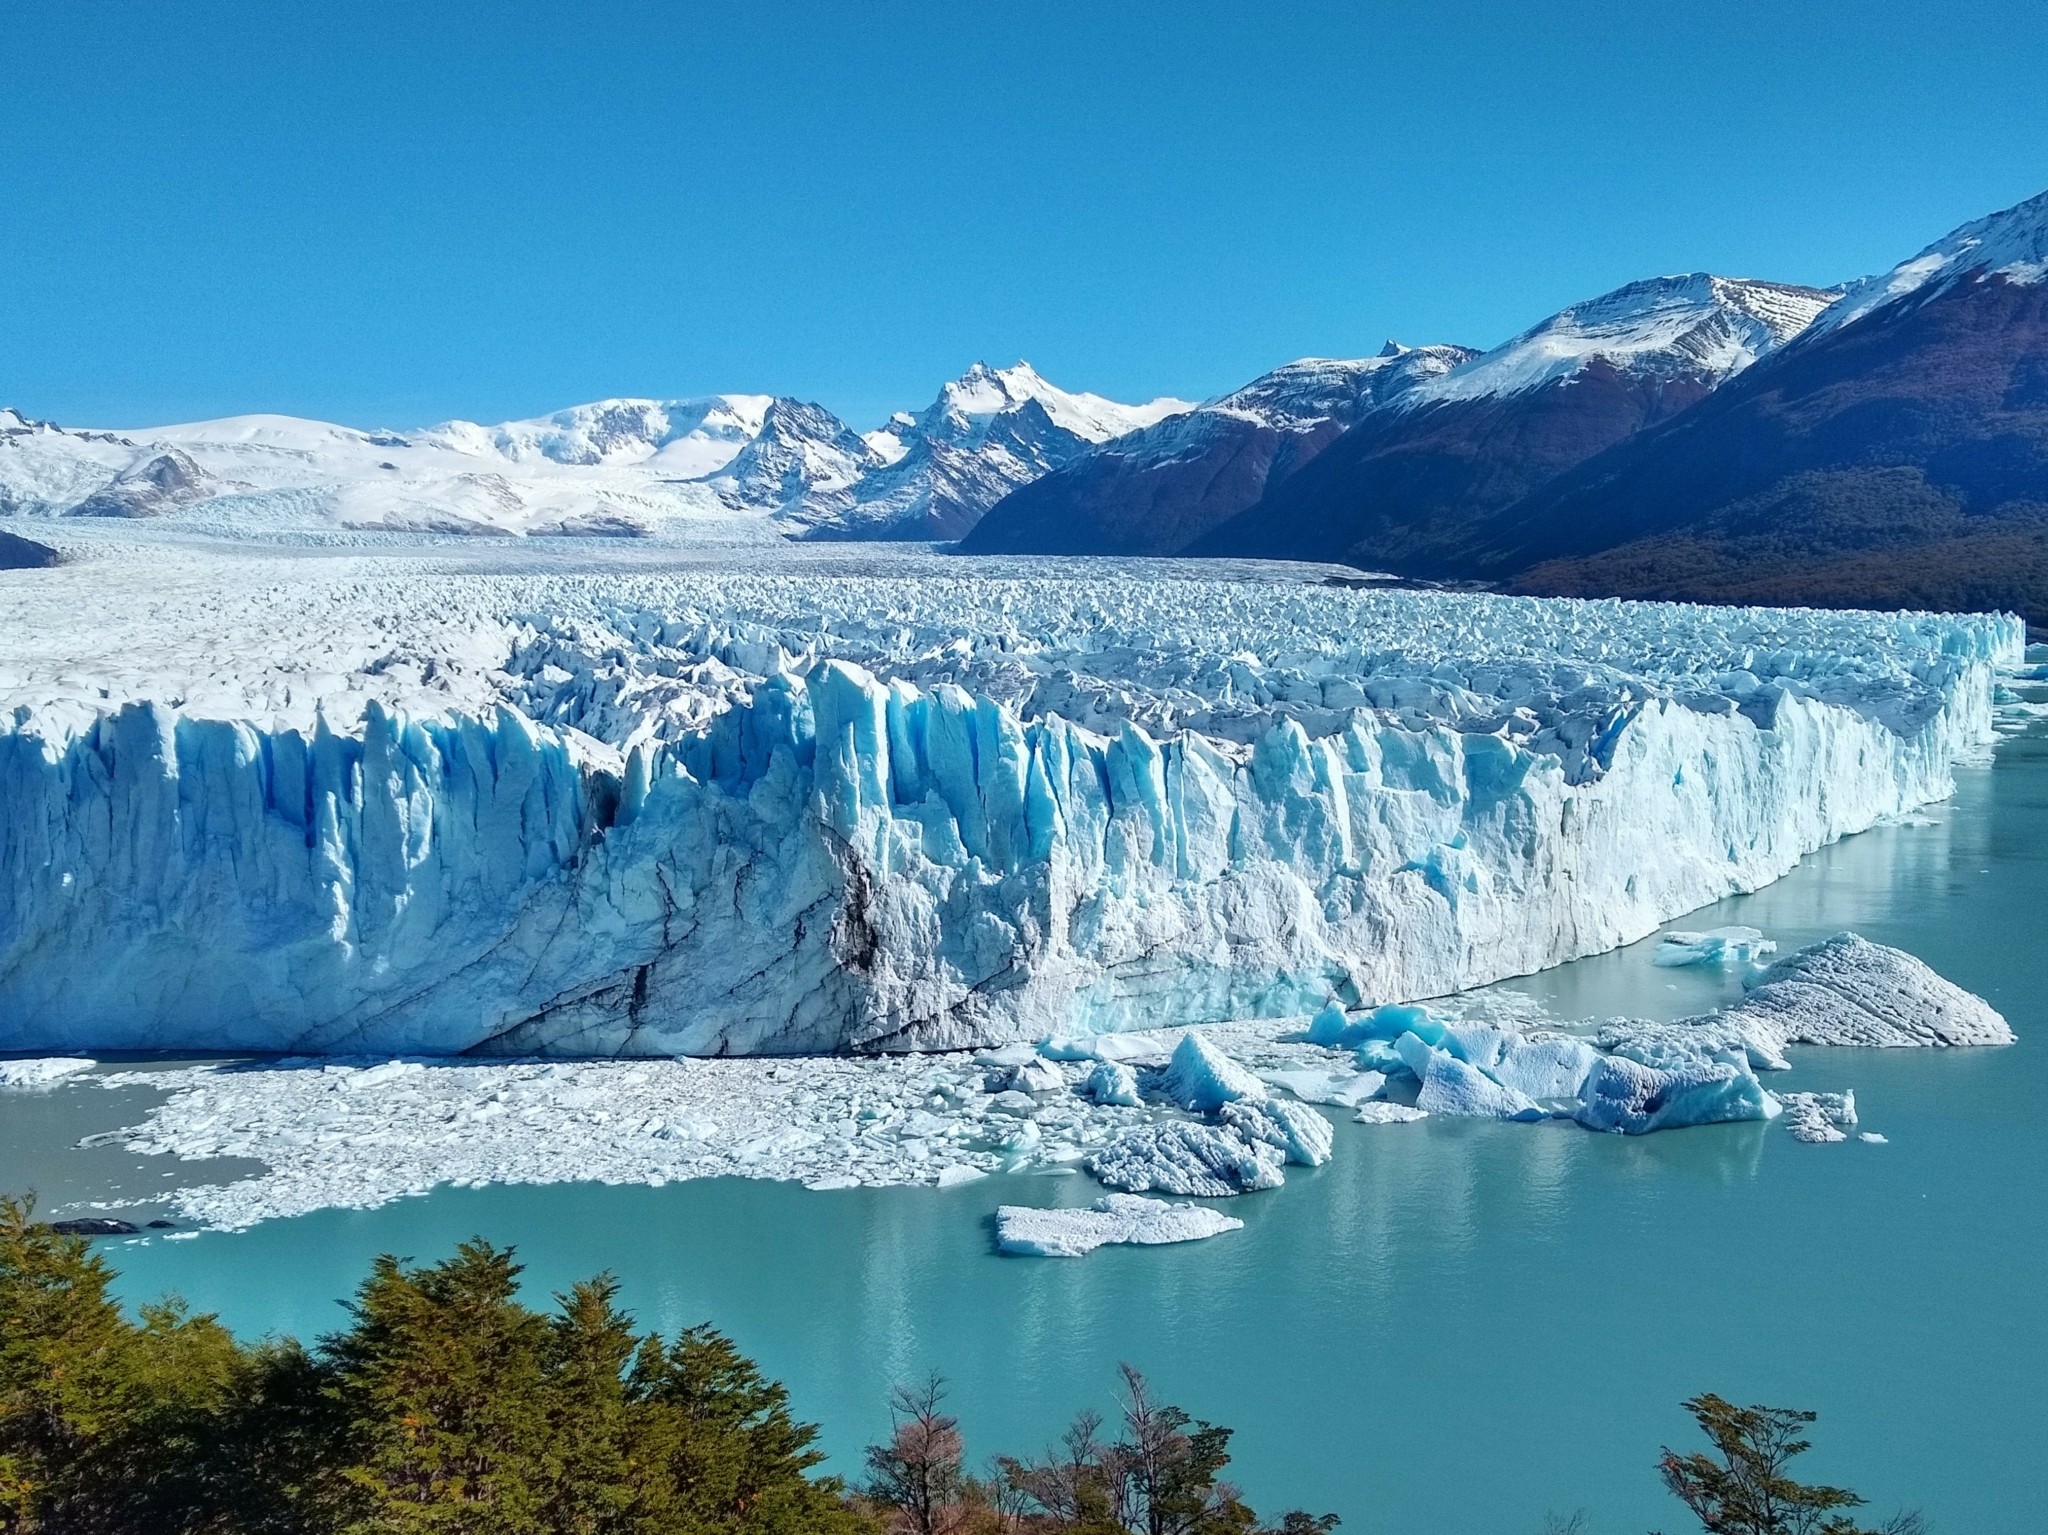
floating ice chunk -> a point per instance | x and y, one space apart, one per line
1480 1044
1819 1118
1008 1056
1629 1098
1114 1218
1201 1078
1553 1066
1181 1157
1137 1045
1395 1019
1384 1113
954 1176
1716 946
1332 1027
1381 1056
1846 990
1035 1076
1452 1086
378 1076
1415 1054
41 1071
1301 1134
1734 1037
1311 1084
1112 1083
1872 1138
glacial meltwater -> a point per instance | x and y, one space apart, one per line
1454 1326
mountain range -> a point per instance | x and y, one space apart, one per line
1883 443
1879 443
615 467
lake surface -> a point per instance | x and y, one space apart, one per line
1454 1326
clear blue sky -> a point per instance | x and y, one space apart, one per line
391 213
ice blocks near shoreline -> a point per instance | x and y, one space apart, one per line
43 1070
1850 991
1115 1218
423 803
359 1134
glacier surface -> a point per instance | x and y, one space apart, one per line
431 800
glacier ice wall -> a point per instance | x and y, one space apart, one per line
839 859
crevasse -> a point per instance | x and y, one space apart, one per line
837 861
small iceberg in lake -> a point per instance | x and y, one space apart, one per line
1725 946
1112 1219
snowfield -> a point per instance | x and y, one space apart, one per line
546 798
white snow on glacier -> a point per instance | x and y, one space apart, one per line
423 799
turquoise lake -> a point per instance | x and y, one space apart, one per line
1454 1326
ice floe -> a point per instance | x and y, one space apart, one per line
1716 946
1185 1157
1114 1218
1820 1118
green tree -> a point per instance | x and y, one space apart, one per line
104 1423
723 1452
592 1473
440 1385
1743 1488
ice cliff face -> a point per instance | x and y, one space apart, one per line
889 808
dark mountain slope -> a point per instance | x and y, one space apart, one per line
1155 491
1405 489
1898 460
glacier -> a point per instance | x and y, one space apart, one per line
430 802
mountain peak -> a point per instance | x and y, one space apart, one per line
2012 244
1693 323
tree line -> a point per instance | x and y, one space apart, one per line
446 1406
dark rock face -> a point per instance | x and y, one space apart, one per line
1159 490
94 1226
1404 491
1900 460
1121 503
24 553
159 485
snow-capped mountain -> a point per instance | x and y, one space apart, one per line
1153 491
1896 454
685 439
1693 330
1403 488
758 465
2011 245
799 455
988 432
